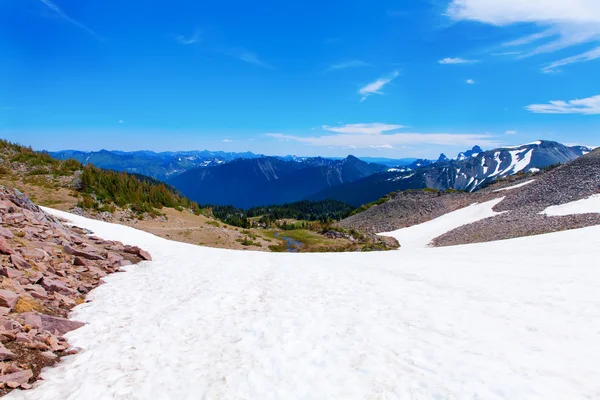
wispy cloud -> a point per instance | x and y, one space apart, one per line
57 10
374 128
383 136
247 56
470 81
375 87
227 140
195 37
587 106
510 132
508 53
456 60
561 23
347 64
121 121
587 56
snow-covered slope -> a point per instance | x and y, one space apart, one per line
583 206
419 236
517 319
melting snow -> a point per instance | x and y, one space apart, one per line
584 206
515 186
516 319
419 236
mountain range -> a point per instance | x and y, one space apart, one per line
269 180
470 171
247 179
166 165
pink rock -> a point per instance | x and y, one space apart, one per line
23 338
7 206
136 250
97 272
80 261
20 377
32 319
11 272
87 255
54 285
14 218
7 233
26 386
4 311
113 258
76 239
5 247
123 263
36 291
145 255
18 261
8 299
34 254
59 325
49 355
5 354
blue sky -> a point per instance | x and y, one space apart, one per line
386 78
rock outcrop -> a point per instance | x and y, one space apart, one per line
46 269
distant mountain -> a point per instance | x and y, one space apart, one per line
160 166
269 180
474 152
468 172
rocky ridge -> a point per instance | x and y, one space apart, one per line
522 205
47 268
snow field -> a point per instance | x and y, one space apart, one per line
517 319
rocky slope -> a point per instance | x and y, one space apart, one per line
47 268
523 206
525 197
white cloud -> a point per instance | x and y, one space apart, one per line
470 81
587 106
375 128
587 56
121 121
56 9
510 132
248 56
456 60
373 136
227 140
189 40
507 53
561 23
375 87
348 64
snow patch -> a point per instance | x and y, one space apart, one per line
419 236
584 206
515 186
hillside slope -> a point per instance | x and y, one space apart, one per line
269 180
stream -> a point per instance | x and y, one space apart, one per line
291 245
